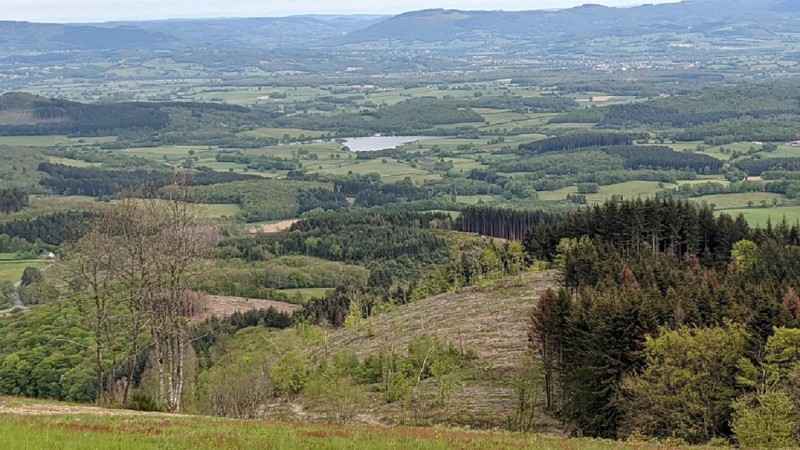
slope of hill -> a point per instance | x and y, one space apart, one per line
583 22
26 114
734 18
255 32
493 323
53 37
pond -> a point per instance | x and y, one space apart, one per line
374 143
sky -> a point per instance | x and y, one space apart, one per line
108 10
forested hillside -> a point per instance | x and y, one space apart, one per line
666 313
580 222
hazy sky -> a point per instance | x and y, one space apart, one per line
101 10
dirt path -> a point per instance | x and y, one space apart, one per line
274 227
32 407
18 305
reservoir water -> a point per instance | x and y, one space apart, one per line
374 143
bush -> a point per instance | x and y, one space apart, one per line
143 402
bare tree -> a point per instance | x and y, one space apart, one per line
158 247
91 272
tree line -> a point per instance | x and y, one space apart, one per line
503 223
54 228
660 226
660 157
13 200
575 141
663 345
97 182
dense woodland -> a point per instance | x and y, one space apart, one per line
666 313
54 228
503 223
13 200
64 117
66 180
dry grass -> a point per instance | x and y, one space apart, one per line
271 228
48 426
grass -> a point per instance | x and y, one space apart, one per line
393 171
307 294
783 151
216 210
44 204
172 432
629 190
475 199
11 271
278 133
50 141
758 217
733 201
167 152
71 162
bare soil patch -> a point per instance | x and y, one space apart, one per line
274 227
225 306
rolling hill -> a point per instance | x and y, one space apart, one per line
583 22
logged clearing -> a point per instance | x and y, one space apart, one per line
225 306
274 227
493 323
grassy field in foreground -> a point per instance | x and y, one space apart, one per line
154 431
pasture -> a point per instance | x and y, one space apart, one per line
11 270
628 190
743 200
758 217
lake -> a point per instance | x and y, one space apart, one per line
371 144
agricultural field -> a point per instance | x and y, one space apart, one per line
51 141
11 270
744 200
70 162
758 217
46 204
629 190
307 294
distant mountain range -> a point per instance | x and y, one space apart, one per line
741 18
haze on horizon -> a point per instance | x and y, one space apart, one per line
70 11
